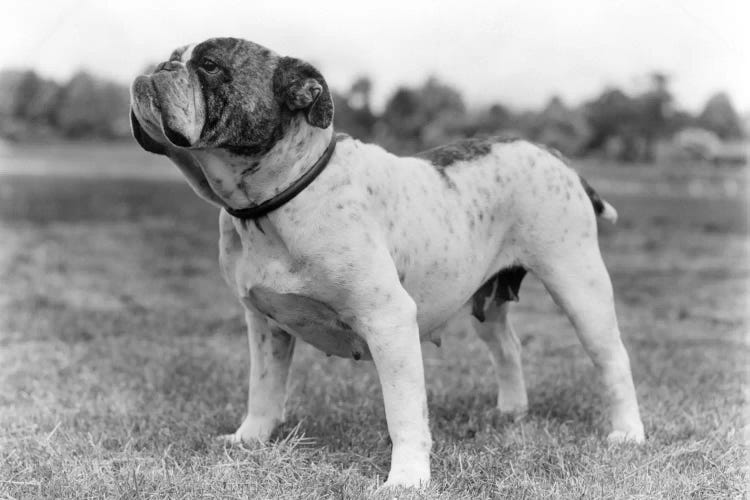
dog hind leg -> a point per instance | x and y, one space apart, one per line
505 352
581 286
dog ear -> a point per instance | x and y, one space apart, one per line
143 139
298 85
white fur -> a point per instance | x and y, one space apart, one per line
396 251
381 252
187 53
609 213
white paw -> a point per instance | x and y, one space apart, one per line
252 430
512 400
227 439
514 412
626 436
407 477
393 484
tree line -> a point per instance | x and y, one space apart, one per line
626 125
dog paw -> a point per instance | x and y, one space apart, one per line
626 436
230 439
513 413
412 478
396 483
252 430
512 401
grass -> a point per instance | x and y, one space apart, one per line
122 355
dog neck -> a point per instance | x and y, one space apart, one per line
243 181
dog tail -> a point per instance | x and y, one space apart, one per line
609 213
601 208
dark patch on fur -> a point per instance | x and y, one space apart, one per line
467 149
344 326
299 86
241 114
445 156
463 150
506 285
446 178
254 166
554 152
596 200
277 132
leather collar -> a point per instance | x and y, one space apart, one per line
286 195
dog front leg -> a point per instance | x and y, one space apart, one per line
271 352
393 338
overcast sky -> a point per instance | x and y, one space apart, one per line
519 52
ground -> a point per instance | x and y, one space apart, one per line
123 354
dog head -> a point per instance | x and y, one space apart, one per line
226 93
221 102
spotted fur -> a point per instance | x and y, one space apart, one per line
378 252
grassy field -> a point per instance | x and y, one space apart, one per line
123 354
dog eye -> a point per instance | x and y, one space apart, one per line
209 65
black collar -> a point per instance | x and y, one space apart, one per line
293 190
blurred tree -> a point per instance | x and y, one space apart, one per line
116 98
439 99
27 104
679 120
720 117
353 114
420 118
413 118
27 97
10 81
401 113
77 114
631 126
360 92
562 128
612 115
28 87
90 107
654 109
489 121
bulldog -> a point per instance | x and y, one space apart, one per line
365 254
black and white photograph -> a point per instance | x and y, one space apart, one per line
390 250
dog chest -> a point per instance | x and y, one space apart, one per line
270 281
313 321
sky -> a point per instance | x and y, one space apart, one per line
518 52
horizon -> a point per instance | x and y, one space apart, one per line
573 53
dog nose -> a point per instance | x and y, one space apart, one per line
167 66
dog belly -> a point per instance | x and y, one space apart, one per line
443 278
313 321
